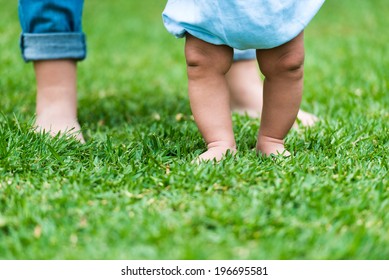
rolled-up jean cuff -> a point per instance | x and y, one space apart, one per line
244 54
51 46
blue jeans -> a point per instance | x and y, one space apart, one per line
52 29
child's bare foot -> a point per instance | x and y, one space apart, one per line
306 119
68 128
55 125
57 98
216 151
271 146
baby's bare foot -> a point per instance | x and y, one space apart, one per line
56 107
271 146
306 119
216 151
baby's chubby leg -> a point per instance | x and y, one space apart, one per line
245 87
246 92
57 97
283 70
207 65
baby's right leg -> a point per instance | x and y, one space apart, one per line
207 65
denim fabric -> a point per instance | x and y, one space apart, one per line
52 29
244 55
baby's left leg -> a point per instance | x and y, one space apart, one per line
56 106
246 92
283 70
207 65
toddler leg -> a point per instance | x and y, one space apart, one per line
283 70
245 88
53 39
56 107
246 92
207 65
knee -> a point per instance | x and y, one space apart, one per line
196 58
288 65
202 62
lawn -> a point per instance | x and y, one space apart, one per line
131 192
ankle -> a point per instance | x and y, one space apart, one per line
56 111
228 145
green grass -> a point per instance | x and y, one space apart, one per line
131 192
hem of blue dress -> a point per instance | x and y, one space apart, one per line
180 29
268 45
52 46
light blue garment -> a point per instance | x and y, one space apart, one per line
244 54
241 24
52 29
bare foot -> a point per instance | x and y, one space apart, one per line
216 151
56 106
271 146
306 119
55 125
